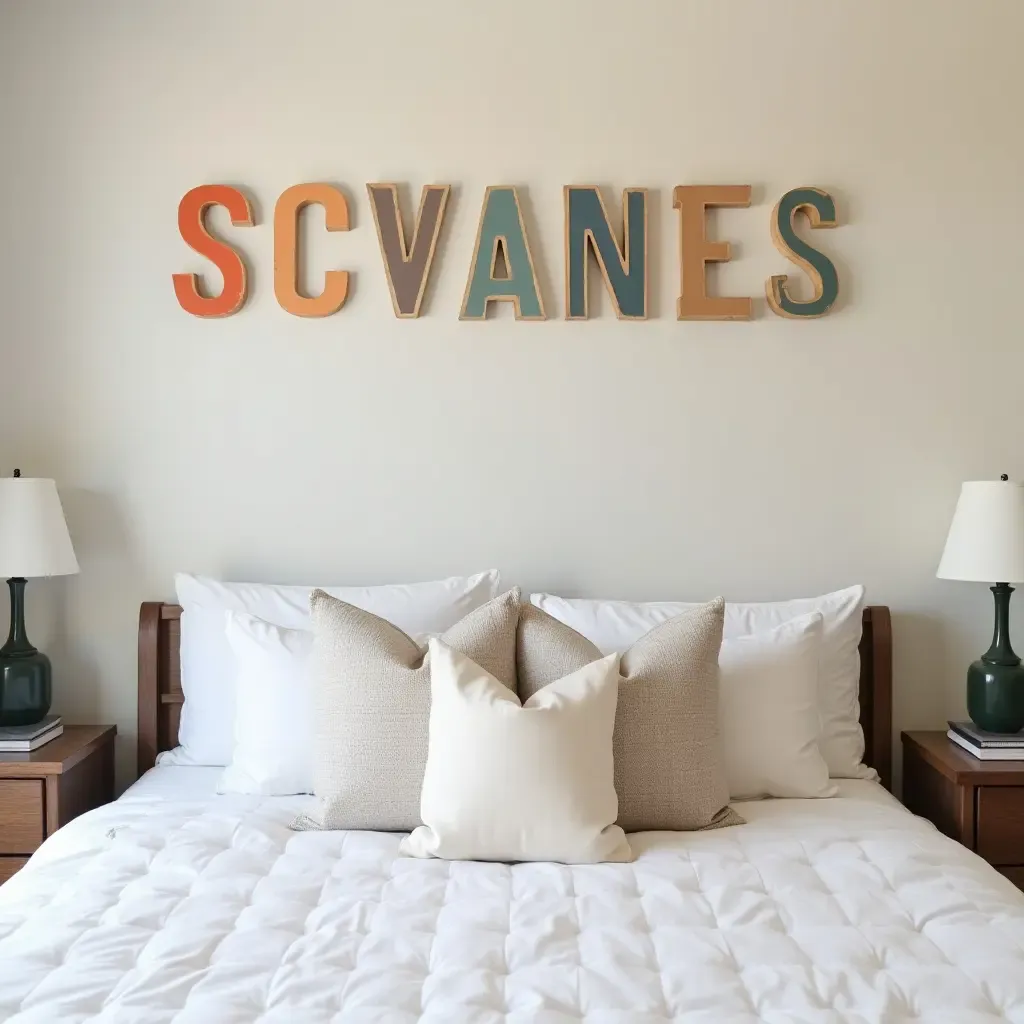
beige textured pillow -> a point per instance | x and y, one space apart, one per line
669 772
371 704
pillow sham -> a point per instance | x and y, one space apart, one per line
371 708
614 625
272 753
507 781
206 730
667 749
768 712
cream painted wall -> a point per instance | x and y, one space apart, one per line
653 460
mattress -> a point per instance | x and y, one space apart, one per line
173 904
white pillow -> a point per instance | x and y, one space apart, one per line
512 782
205 735
616 625
273 749
768 712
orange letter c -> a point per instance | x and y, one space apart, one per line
286 262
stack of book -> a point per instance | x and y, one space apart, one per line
987 746
22 739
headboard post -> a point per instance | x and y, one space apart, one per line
876 691
160 696
149 661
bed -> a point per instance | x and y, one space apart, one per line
175 904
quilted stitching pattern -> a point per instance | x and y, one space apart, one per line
217 913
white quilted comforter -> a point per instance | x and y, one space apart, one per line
210 911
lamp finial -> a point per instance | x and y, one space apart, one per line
17 472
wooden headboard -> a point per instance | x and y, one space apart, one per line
160 697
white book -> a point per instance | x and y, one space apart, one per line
9 746
989 753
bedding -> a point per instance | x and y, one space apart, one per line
768 712
371 707
206 732
176 905
669 771
511 781
614 625
273 749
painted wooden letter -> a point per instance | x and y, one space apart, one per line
501 226
624 269
695 252
820 209
192 226
407 267
286 255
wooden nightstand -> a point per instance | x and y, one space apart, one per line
45 789
978 803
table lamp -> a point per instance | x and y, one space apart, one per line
986 544
34 541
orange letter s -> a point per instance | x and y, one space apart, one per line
191 224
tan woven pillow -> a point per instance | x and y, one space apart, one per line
371 687
669 773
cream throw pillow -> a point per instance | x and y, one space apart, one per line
511 782
768 712
614 625
669 773
371 708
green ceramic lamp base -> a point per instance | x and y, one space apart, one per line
25 689
25 685
995 696
995 683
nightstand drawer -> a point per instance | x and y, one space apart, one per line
1001 824
21 815
10 866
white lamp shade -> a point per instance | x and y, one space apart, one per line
34 538
986 537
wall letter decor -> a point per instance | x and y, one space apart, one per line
407 267
501 225
695 251
622 258
192 226
820 210
624 269
286 258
